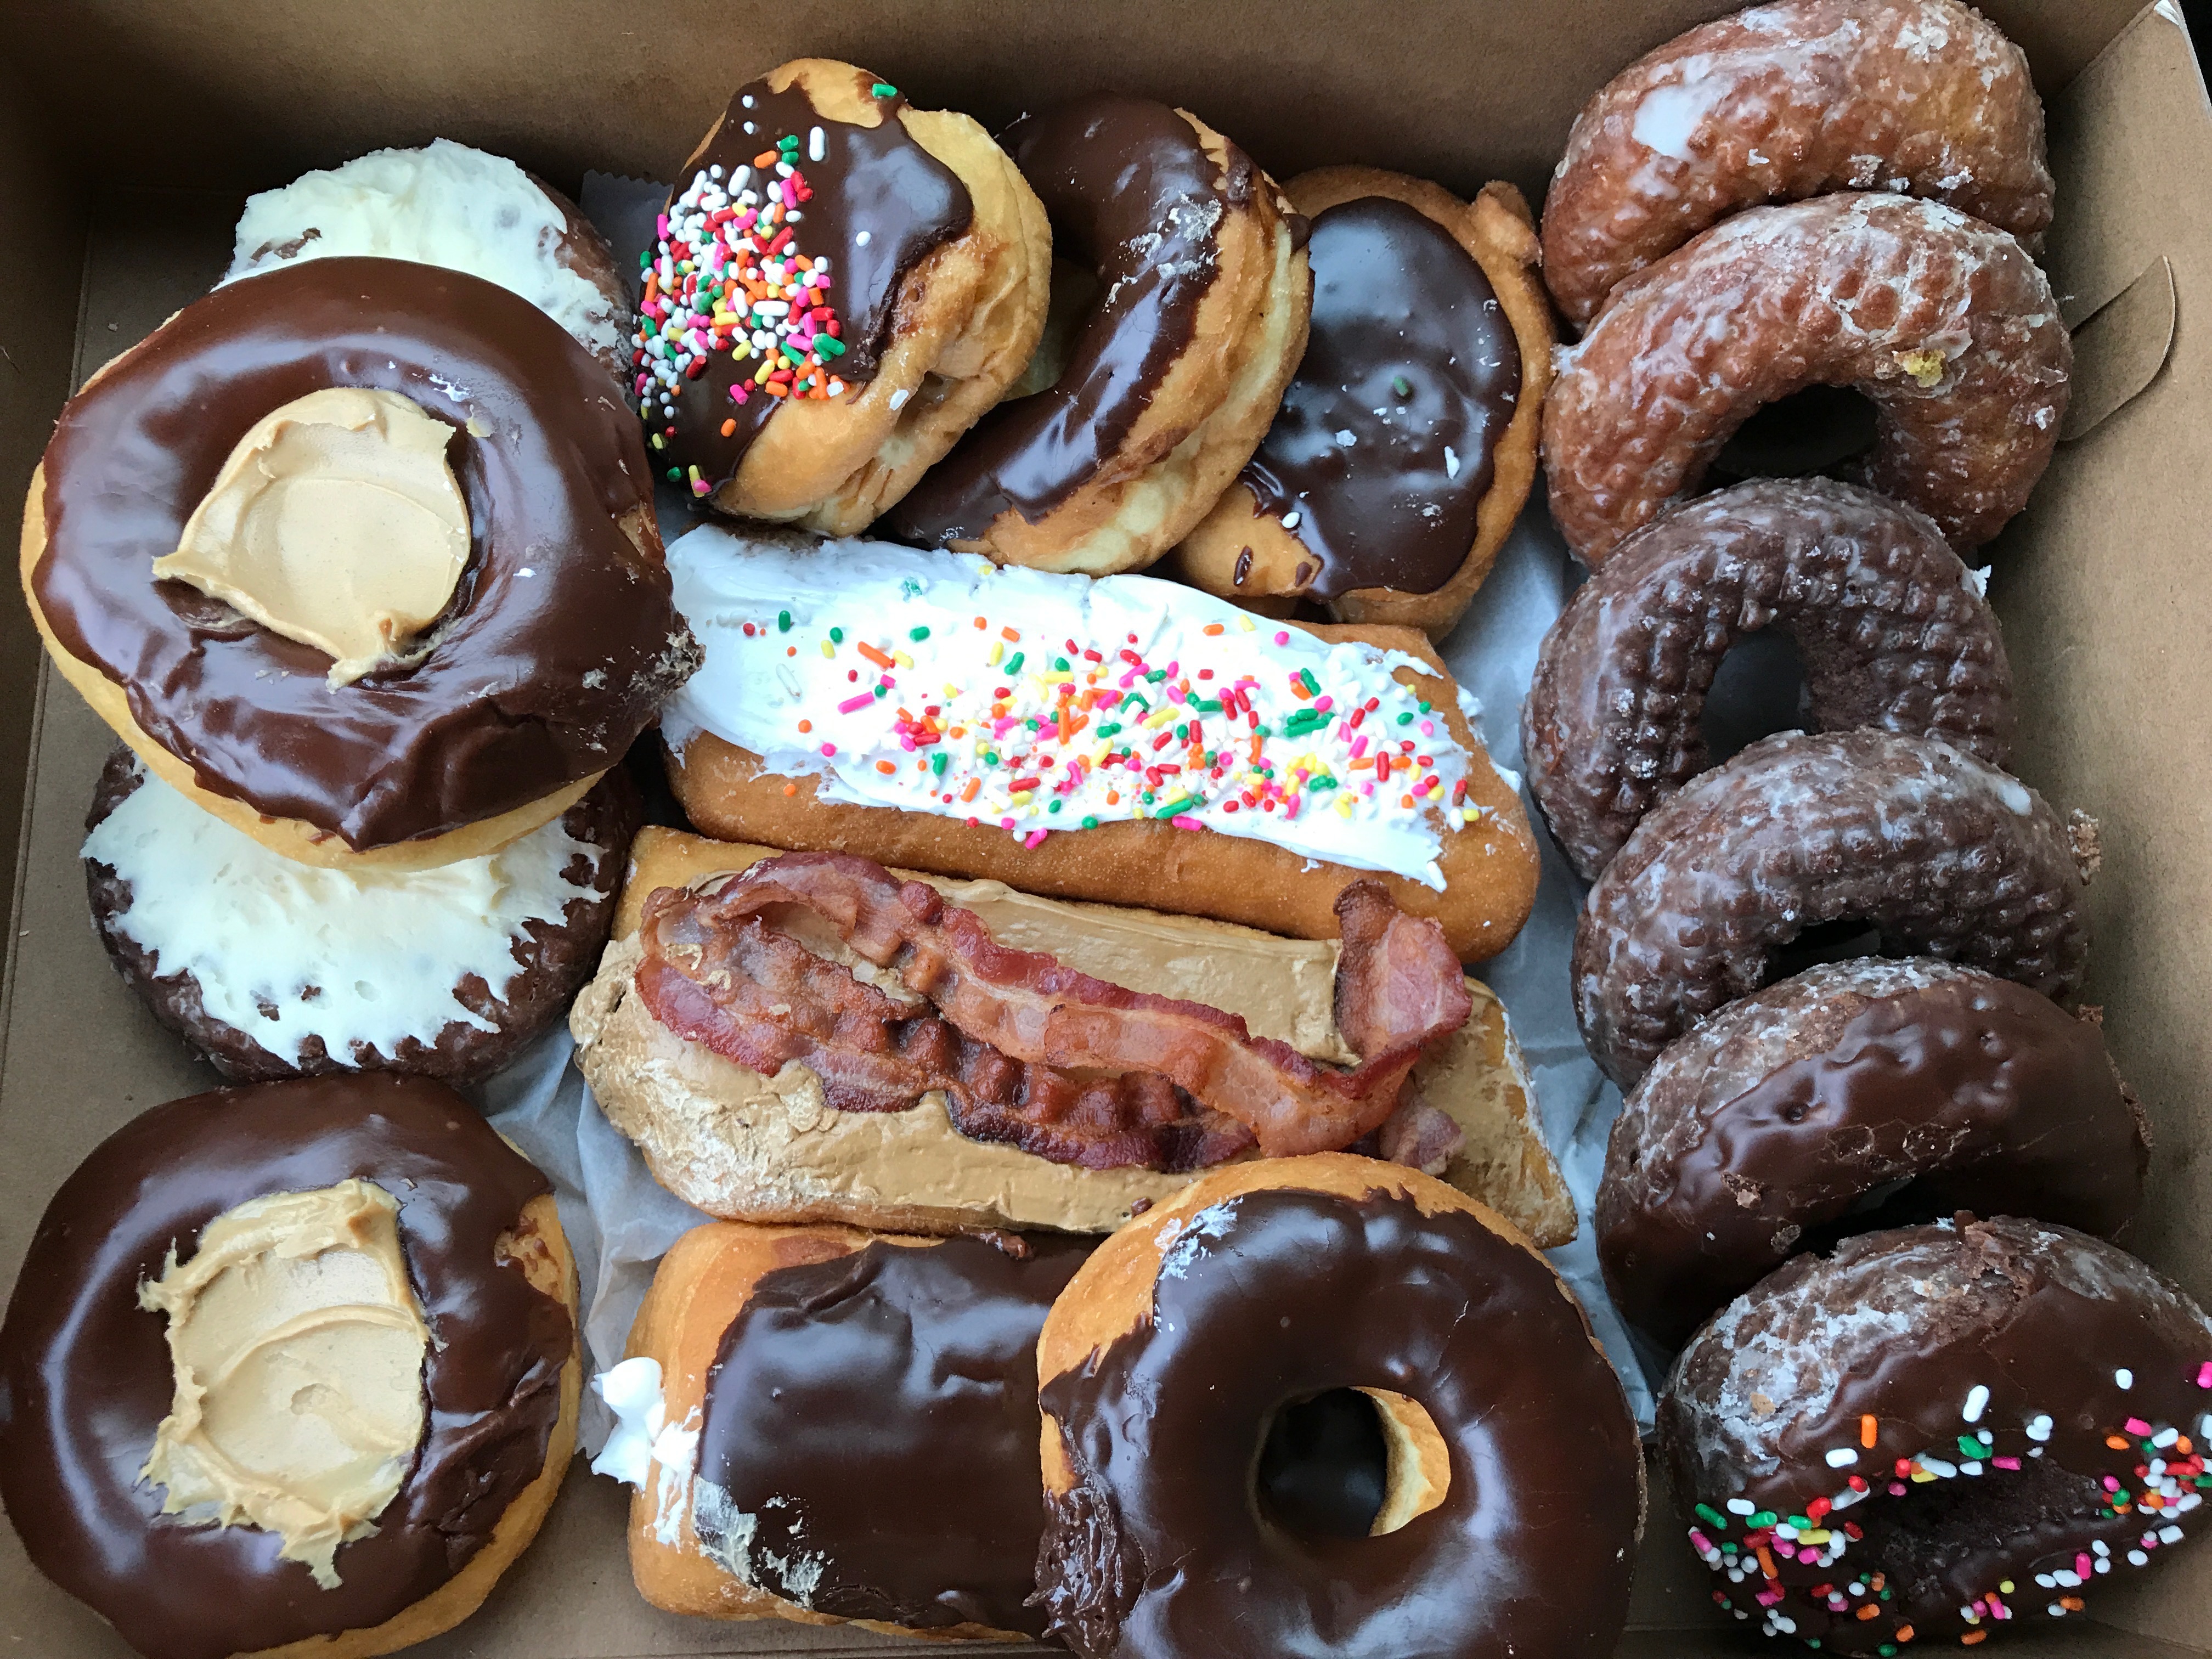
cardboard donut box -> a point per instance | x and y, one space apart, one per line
130 131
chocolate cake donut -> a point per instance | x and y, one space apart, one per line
272 969
1890 626
1504 1518
1939 1430
1853 1097
364 1397
1933 851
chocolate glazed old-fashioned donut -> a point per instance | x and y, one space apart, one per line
1513 1494
1934 852
86 1374
1940 1431
558 645
1890 626
1853 1097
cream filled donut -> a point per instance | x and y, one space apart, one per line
271 969
447 205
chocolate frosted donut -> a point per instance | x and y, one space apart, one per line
1938 854
1940 1431
559 643
1856 1095
868 1448
1512 1496
1946 325
1891 629
86 1374
271 969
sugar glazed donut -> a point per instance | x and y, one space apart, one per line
1187 275
1779 102
495 626
1406 442
290 1367
1852 1097
1891 628
1946 325
841 284
1942 855
1512 1494
273 968
1938 1431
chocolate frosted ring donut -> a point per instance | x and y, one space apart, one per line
1939 1430
1856 1095
558 645
1777 102
87 1376
1940 854
1946 325
1178 1521
1891 629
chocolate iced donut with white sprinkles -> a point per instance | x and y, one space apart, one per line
1938 1431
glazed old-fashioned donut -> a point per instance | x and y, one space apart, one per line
1187 283
447 205
1938 1431
1502 1487
855 1429
511 607
273 968
1778 102
1907 837
1852 1097
288 1367
1946 325
841 285
1890 626
1407 441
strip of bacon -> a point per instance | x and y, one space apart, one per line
1028 1008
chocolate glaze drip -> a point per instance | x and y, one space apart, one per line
536 681
1980 1093
85 1374
872 181
1397 303
1130 191
877 1415
1276 1296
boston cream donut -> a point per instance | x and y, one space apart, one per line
1184 1366
447 205
271 969
386 585
290 1367
1128 740
829 1426
1406 443
1188 288
841 285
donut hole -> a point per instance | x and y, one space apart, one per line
1979 1528
1076 292
1815 429
1758 690
1847 939
1350 1463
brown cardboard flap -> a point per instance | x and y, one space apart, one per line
2119 350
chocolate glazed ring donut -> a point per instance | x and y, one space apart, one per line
1892 630
1937 1431
86 1374
1780 102
1856 1095
1944 323
1173 370
1941 855
1513 1492
558 645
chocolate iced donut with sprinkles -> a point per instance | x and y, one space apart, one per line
1938 1431
841 285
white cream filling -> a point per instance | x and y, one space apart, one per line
383 951
643 1440
444 204
799 638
